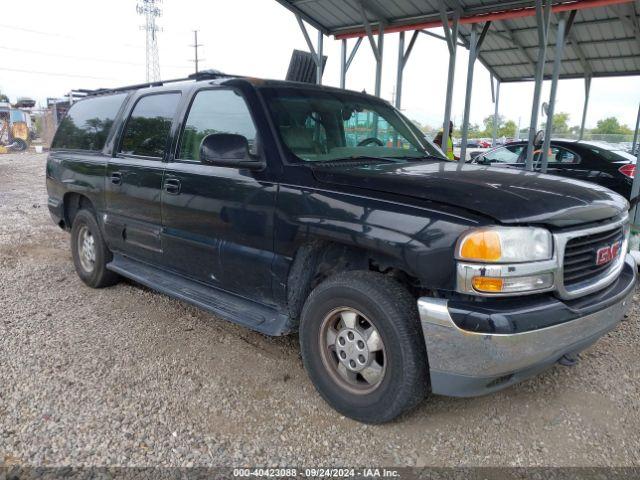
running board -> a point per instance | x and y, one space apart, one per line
222 304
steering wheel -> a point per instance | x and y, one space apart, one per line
369 140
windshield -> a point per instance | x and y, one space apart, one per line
321 126
17 116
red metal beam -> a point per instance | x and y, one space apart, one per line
485 17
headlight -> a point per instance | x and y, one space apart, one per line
505 245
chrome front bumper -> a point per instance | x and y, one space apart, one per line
466 363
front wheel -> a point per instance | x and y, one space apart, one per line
90 252
362 346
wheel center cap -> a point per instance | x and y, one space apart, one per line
352 349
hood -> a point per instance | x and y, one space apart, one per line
507 195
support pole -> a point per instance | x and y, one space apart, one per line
473 41
54 111
557 62
398 99
451 36
376 48
195 46
635 190
306 36
403 57
543 15
635 134
495 113
587 90
317 54
320 59
343 63
378 87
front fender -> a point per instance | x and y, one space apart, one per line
420 241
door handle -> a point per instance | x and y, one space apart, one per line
116 178
172 186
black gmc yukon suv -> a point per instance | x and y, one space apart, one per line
290 207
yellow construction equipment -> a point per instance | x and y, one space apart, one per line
15 128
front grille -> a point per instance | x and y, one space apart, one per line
580 256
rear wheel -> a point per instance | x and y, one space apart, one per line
90 252
362 346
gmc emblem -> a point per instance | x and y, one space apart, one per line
606 254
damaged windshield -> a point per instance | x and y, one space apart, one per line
323 125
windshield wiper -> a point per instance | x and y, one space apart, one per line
359 158
426 156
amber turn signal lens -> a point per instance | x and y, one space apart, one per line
487 284
482 245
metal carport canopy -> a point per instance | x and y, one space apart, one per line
603 42
515 40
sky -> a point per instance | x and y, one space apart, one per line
60 46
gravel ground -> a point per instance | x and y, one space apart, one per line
126 376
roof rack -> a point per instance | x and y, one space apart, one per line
202 75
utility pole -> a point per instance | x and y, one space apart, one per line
150 10
195 46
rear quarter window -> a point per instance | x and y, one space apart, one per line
613 155
87 123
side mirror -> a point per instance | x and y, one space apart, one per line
474 155
227 150
539 138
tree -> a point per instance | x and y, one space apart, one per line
488 125
560 123
3 97
575 130
473 132
508 129
610 125
423 128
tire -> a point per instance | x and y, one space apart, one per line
19 145
381 303
94 273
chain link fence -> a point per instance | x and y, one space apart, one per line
613 138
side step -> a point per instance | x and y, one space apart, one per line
222 304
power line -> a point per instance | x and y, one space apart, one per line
75 57
57 74
56 34
39 32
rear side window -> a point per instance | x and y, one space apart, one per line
216 111
558 155
87 123
148 127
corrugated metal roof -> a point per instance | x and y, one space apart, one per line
604 39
